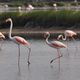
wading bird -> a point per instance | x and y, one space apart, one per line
55 44
68 34
18 40
30 7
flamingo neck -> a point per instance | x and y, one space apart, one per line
64 38
11 24
47 39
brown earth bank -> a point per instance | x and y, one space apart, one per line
27 31
33 33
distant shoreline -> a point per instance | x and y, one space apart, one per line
25 31
35 34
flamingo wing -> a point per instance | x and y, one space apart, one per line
20 40
58 44
70 33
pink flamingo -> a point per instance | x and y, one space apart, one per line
67 34
18 40
55 44
1 38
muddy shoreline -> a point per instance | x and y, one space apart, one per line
37 34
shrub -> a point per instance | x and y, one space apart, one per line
62 19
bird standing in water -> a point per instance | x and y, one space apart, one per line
68 34
19 40
55 44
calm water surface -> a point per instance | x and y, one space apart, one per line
40 68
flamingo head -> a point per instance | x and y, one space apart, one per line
46 34
9 19
59 37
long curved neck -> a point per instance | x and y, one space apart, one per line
11 25
64 38
47 41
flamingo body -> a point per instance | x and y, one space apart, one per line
57 44
67 33
20 40
70 33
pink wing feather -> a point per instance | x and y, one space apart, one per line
21 40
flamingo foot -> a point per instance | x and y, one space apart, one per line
28 63
55 58
51 61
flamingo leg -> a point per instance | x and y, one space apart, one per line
67 45
29 55
75 44
58 58
19 57
59 55
1 44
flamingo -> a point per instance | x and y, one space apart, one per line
30 7
67 33
1 38
19 40
55 44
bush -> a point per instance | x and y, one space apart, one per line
74 4
61 4
62 19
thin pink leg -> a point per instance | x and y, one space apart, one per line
29 55
75 45
67 46
58 58
19 58
1 44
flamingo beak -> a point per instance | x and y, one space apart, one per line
75 33
3 37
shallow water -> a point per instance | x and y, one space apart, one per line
40 68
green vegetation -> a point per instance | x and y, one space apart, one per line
40 4
62 19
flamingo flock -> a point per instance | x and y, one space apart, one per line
54 44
